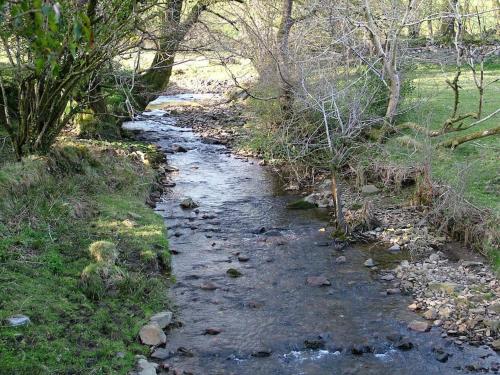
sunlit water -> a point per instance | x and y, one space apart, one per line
270 307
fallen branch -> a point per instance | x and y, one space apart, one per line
455 142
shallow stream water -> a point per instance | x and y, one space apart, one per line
266 315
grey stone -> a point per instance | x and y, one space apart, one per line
340 260
369 263
318 281
152 334
434 257
419 326
369 189
163 319
395 248
243 258
188 203
161 354
388 277
146 368
18 320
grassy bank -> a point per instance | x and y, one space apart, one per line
474 165
51 210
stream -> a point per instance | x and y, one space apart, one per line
270 320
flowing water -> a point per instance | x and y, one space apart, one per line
266 315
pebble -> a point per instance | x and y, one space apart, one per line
208 286
388 277
394 248
340 260
430 314
419 326
318 281
243 258
459 297
369 263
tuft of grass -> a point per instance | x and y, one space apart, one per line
51 210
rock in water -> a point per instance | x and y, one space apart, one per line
212 331
189 203
314 344
340 260
161 354
18 320
369 263
178 148
146 368
318 281
419 326
243 258
152 334
233 272
440 355
163 319
301 204
262 353
208 286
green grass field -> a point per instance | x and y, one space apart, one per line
473 167
51 210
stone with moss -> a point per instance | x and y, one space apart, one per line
103 252
99 278
301 204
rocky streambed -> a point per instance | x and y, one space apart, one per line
262 289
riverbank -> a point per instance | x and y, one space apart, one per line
84 262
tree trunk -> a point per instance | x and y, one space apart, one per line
448 23
455 142
283 36
337 198
414 31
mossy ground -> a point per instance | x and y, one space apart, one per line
51 210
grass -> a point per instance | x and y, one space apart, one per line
474 165
51 210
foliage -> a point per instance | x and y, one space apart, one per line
52 50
